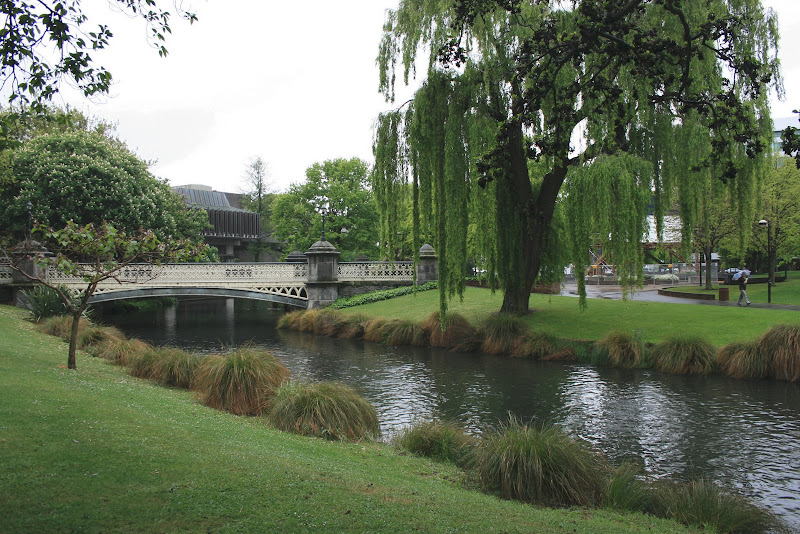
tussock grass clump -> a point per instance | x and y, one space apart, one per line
743 360
121 351
373 330
325 410
500 332
627 491
329 322
354 326
540 466
307 322
537 345
242 382
442 441
290 320
456 329
683 356
620 349
177 368
96 335
404 332
703 503
146 364
781 344
61 326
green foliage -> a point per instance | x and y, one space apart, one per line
86 178
540 466
242 382
325 410
683 355
439 440
375 296
627 490
44 302
340 187
33 73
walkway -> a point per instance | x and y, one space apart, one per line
650 294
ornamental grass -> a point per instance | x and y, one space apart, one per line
290 320
120 351
404 332
684 355
781 344
373 330
743 359
540 466
441 441
146 364
354 326
307 322
537 345
95 335
703 503
242 382
325 410
61 326
500 332
177 368
329 322
620 349
627 490
455 330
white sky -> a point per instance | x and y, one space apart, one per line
293 83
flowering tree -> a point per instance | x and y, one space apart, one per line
97 254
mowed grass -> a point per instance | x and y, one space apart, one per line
652 321
787 292
98 450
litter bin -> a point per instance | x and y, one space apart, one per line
724 294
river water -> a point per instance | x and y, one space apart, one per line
743 434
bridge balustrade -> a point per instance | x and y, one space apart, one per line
376 271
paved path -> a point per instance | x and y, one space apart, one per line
650 294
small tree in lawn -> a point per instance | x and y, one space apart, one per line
97 254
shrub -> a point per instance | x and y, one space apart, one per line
373 330
404 332
702 503
146 364
743 360
177 368
500 332
540 466
44 302
684 355
242 382
324 410
456 329
782 344
376 296
445 442
121 351
61 326
619 349
354 326
537 345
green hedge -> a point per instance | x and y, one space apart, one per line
376 296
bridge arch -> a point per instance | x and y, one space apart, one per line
195 292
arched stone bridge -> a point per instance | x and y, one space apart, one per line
307 285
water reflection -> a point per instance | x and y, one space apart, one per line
743 434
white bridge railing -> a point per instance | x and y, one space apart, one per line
376 271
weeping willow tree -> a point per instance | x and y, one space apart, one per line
541 123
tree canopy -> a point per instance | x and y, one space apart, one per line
596 105
340 188
87 178
46 42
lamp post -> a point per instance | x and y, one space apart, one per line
29 223
763 223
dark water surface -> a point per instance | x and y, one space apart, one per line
743 434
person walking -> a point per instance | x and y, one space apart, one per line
743 289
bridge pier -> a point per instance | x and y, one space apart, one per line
322 287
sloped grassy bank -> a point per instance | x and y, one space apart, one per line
99 450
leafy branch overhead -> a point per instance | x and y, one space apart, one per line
44 42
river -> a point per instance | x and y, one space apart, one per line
743 434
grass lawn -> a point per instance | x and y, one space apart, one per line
787 292
654 321
95 450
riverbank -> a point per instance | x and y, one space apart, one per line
97 450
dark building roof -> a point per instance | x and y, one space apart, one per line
208 199
226 221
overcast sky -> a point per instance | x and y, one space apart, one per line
293 83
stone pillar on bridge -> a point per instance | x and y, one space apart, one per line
323 274
427 269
